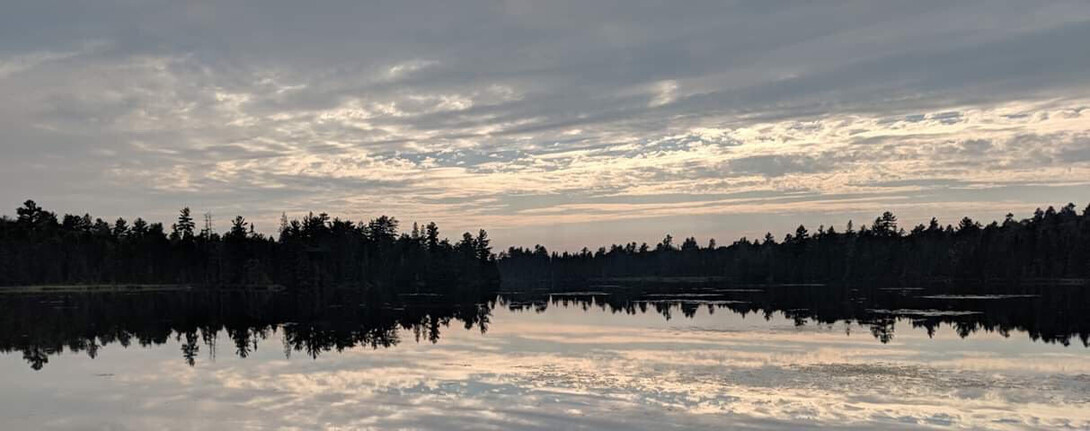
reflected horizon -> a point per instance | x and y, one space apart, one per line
635 358
604 357
39 326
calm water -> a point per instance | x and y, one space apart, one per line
750 357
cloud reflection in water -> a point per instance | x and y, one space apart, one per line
573 368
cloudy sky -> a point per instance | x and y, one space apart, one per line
566 124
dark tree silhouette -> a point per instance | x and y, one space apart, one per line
1052 245
315 252
37 247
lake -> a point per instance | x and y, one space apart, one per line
697 357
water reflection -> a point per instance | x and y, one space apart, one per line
1052 314
39 326
781 357
43 325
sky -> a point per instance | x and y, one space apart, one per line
567 124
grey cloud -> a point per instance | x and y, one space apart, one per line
927 183
110 87
779 165
1079 151
949 117
975 146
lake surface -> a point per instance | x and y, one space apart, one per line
779 357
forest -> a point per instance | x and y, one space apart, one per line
40 248
1051 246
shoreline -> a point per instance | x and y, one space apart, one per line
91 288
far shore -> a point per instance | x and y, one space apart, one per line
78 288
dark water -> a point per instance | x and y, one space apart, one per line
617 357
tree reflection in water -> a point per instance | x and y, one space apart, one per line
41 325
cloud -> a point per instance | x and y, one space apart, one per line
665 92
777 165
125 110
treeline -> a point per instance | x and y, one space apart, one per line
39 248
1053 244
